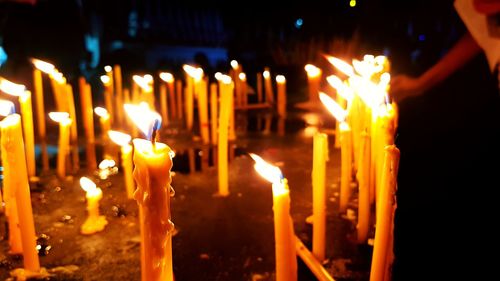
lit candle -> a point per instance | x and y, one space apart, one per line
163 103
117 71
234 73
104 120
27 120
193 74
364 188
13 148
94 222
213 111
9 195
123 141
108 95
203 111
386 205
268 87
313 81
73 130
225 107
243 89
64 126
320 156
169 79
38 88
88 122
286 260
153 162
178 91
281 85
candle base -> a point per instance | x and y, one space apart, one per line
24 274
93 225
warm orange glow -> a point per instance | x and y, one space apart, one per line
105 79
344 126
312 70
242 76
7 107
341 65
226 79
266 74
108 68
280 79
101 111
142 82
234 64
335 109
43 66
58 76
144 118
385 78
194 72
167 77
119 138
11 88
148 78
89 186
342 89
60 117
269 172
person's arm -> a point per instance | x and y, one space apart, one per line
462 52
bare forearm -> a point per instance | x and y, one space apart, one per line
463 51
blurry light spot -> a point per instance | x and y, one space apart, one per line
352 3
421 37
299 22
3 56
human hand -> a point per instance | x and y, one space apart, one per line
403 86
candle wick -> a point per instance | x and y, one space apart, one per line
153 138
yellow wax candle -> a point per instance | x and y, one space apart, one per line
281 85
243 89
123 141
169 79
9 191
58 83
88 122
27 120
40 108
213 111
163 103
268 87
345 166
234 74
259 87
13 147
192 74
286 260
313 81
385 215
72 113
320 156
118 102
108 95
64 133
94 222
225 107
364 189
178 91
203 111
104 120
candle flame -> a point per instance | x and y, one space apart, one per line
242 76
148 78
269 172
108 68
266 74
101 111
58 76
106 164
119 138
90 188
11 88
142 82
312 70
105 79
194 72
7 108
43 66
280 79
335 109
342 89
234 64
167 77
341 65
59 116
145 119
226 79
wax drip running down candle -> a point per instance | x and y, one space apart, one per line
153 161
94 222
